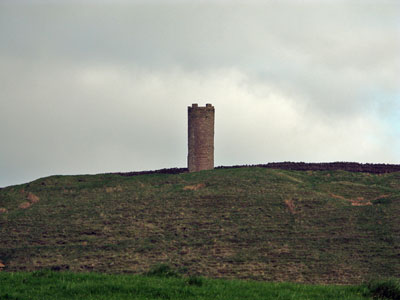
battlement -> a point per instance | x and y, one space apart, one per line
200 137
196 107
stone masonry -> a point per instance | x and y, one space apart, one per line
201 137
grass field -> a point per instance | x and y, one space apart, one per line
249 223
60 285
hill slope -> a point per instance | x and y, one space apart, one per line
267 224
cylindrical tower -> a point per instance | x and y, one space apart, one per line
200 137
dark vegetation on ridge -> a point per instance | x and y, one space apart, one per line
294 166
257 223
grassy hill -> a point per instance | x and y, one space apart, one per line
244 223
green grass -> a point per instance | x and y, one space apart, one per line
248 223
64 285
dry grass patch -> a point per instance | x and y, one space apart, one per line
194 187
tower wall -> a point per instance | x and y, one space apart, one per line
200 137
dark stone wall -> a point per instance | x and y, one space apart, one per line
200 137
297 166
332 166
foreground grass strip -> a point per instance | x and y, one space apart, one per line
66 285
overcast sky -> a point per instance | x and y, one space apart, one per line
103 86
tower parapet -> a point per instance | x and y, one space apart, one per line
201 137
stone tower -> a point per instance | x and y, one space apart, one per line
200 137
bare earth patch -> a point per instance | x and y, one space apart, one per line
360 201
339 197
24 205
290 205
3 210
32 198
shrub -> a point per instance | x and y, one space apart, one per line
195 280
162 270
8 297
385 289
384 201
45 272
